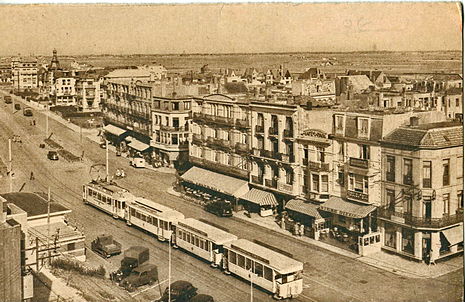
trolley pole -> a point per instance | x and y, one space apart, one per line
106 161
10 164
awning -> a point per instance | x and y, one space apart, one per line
342 207
138 145
260 197
114 130
306 208
454 235
215 181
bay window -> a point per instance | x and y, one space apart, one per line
358 183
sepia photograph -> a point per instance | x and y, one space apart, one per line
231 152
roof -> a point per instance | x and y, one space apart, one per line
281 263
310 73
145 267
260 197
306 208
128 73
33 204
114 130
65 231
346 208
218 182
155 209
454 91
110 188
359 82
432 135
138 145
214 234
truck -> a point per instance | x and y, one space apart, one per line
106 246
133 257
146 273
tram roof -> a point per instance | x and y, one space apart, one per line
108 186
281 263
154 208
214 234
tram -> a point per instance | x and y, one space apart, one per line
272 271
202 240
153 217
108 197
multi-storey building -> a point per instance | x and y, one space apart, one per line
89 92
127 115
63 90
170 126
452 103
5 74
421 213
24 73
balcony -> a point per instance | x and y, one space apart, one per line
288 158
197 139
259 129
273 131
242 123
173 129
218 167
288 133
358 196
285 188
408 180
358 163
390 176
317 166
271 183
242 148
257 180
409 219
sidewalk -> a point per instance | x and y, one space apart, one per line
58 286
382 260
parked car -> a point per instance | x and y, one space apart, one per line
27 111
181 291
133 257
17 106
106 246
52 155
137 162
146 273
202 298
221 208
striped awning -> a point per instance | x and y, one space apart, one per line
454 235
114 130
306 208
345 208
260 197
138 145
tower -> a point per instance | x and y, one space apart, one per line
55 64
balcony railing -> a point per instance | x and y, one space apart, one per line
221 168
409 219
257 180
242 148
426 182
358 163
288 158
197 139
242 123
273 131
318 166
357 196
259 129
408 180
173 129
285 187
288 133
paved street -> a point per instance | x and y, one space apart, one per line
328 276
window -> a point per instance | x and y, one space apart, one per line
460 167
446 203
358 183
339 123
426 174
324 183
362 125
175 105
268 273
241 261
260 119
457 102
341 175
259 270
364 152
232 257
315 182
248 264
390 168
445 172
289 177
187 105
407 240
391 199
320 154
460 199
408 171
260 143
390 235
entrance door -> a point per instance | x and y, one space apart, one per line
426 243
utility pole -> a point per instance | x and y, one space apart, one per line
169 270
251 286
106 162
10 163
48 224
46 122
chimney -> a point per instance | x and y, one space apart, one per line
414 121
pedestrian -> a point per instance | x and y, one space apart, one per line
32 176
34 122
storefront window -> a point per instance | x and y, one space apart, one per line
407 240
390 236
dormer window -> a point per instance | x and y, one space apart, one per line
363 127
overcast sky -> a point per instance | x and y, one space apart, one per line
92 29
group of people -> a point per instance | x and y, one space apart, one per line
33 123
120 173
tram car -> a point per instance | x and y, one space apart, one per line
152 217
108 197
202 240
272 271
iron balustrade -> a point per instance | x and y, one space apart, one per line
318 166
409 219
273 131
259 129
358 162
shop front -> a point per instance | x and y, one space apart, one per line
114 134
258 201
304 218
207 186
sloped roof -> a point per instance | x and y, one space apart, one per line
346 208
307 208
260 197
33 204
309 74
434 135
454 91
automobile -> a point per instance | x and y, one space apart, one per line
103 145
27 111
52 155
146 273
181 291
106 246
17 106
137 162
220 208
202 298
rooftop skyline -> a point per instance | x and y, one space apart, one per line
225 28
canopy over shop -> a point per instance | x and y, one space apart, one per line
114 134
207 184
354 217
454 235
259 201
